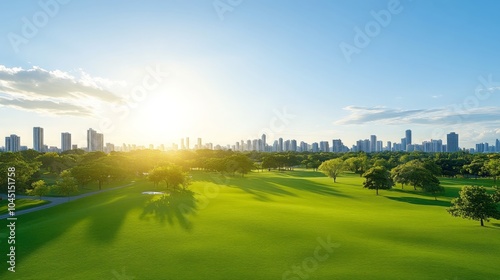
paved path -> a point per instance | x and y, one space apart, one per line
54 201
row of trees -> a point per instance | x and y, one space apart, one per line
417 173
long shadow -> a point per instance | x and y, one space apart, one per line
173 207
101 215
299 173
421 201
263 188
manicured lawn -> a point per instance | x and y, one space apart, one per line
21 203
257 227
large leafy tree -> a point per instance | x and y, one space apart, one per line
358 164
476 204
24 174
332 168
66 185
493 168
38 189
377 177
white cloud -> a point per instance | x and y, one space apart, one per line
54 92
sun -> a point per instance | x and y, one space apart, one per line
163 116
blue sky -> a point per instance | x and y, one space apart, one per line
155 71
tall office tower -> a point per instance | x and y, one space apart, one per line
237 147
280 144
437 146
187 143
315 147
38 139
199 144
389 145
452 142
324 146
480 148
12 143
65 141
403 144
263 142
286 145
255 144
497 146
293 145
275 146
337 146
380 145
259 143
408 137
373 143
249 145
95 141
183 147
303 146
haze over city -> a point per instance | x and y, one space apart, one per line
154 73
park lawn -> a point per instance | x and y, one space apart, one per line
21 204
256 227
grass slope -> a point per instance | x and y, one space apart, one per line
21 204
257 227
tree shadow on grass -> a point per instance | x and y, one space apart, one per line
173 207
421 201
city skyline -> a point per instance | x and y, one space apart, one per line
95 142
287 69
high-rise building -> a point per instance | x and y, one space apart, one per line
12 143
379 146
199 144
38 139
95 141
183 147
293 145
263 143
324 146
280 145
315 147
389 145
187 143
497 146
403 144
65 141
452 142
373 143
408 137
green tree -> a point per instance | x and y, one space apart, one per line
358 164
66 185
493 167
377 178
171 174
38 189
239 163
476 204
25 170
332 168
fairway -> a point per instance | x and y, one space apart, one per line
260 226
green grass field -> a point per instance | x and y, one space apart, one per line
21 204
257 227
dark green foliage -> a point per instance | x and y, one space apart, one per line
377 178
476 204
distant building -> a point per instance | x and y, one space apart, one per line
199 145
95 141
293 145
38 139
12 143
263 138
280 145
408 137
65 141
373 144
324 146
452 142
315 147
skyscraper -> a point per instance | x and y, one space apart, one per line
497 146
408 137
38 139
452 142
263 142
373 143
293 145
199 144
95 141
187 143
65 141
12 143
280 145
